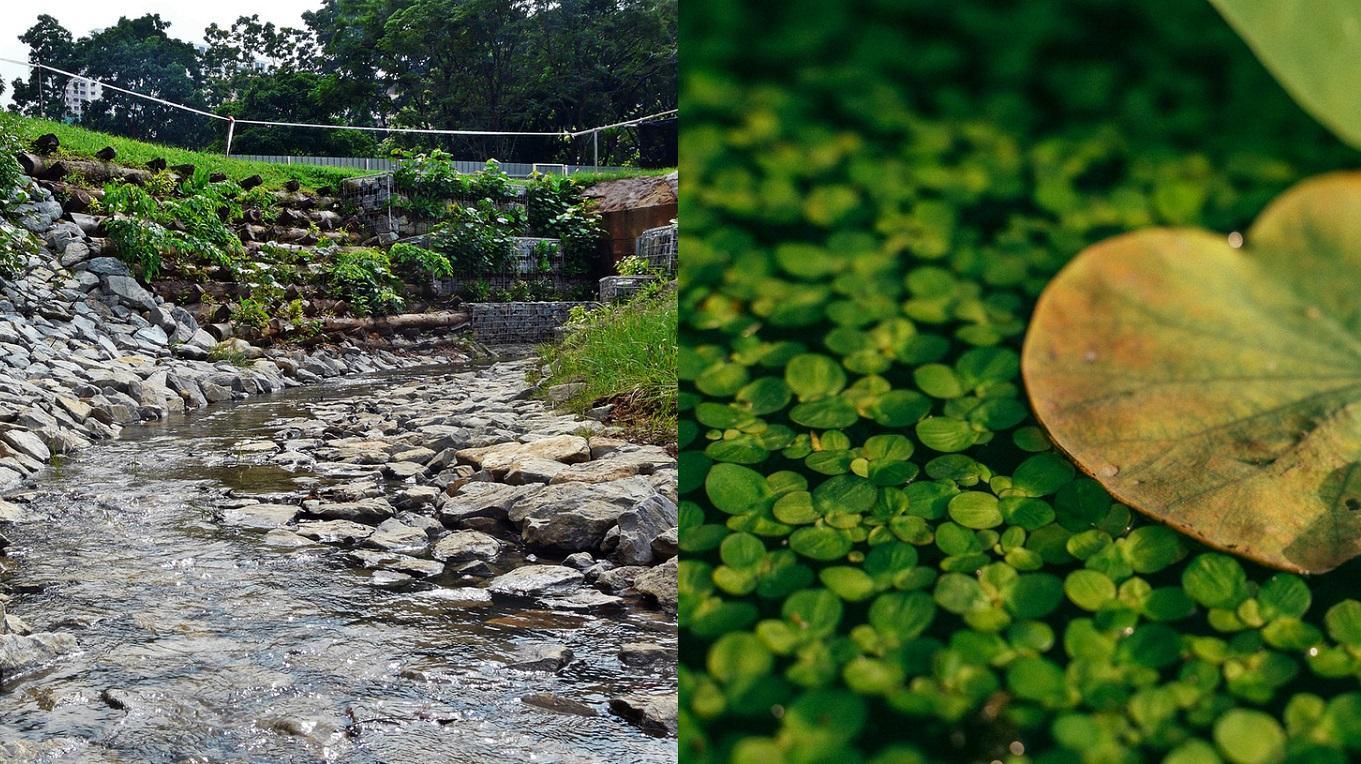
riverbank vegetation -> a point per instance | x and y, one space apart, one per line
625 355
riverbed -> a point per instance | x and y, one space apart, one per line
198 642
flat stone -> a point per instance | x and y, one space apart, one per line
399 562
27 444
263 516
461 546
574 517
549 701
551 657
603 470
364 510
536 580
19 651
395 536
644 654
532 469
403 470
333 531
640 525
287 539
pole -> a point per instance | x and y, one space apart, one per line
595 148
231 130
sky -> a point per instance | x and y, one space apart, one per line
188 19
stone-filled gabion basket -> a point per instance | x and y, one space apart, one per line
505 323
657 246
621 288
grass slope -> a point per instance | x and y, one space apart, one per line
81 142
625 354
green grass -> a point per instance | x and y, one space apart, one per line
80 142
626 354
629 172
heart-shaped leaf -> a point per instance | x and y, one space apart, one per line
1215 384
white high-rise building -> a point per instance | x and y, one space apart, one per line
80 92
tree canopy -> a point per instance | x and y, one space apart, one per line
512 65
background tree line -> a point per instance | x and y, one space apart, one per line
515 65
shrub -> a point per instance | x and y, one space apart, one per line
192 226
364 279
477 240
419 263
556 208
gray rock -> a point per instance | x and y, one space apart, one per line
262 516
395 536
660 584
574 517
333 531
362 511
640 525
27 444
535 580
18 651
558 704
644 654
128 292
549 657
653 714
461 546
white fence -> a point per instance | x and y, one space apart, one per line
377 164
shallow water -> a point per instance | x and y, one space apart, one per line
220 648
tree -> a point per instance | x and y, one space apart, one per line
250 48
138 55
42 93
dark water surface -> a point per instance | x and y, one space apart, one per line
220 648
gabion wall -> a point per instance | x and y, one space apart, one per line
621 288
504 323
658 247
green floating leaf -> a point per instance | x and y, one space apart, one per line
811 376
945 434
1312 49
1344 622
1245 736
1215 388
1215 580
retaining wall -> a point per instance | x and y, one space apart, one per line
502 323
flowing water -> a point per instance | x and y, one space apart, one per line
200 643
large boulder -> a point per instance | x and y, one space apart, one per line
660 584
574 517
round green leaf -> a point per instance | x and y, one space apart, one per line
812 376
1089 589
735 489
945 434
1152 547
903 614
1215 581
1344 622
1245 736
975 509
820 543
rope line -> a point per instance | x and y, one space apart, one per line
313 125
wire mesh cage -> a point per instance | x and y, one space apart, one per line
657 246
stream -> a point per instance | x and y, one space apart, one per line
199 643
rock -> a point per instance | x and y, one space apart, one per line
542 658
120 700
403 470
666 544
395 536
262 516
27 444
660 584
557 704
568 449
579 560
536 580
482 499
333 531
615 579
653 714
466 594
128 292
530 469
362 511
11 513
604 470
574 517
398 562
416 497
390 579
286 539
644 654
586 599
558 394
18 651
640 525
461 546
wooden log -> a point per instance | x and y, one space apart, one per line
157 164
106 154
440 320
217 177
292 186
45 168
252 182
